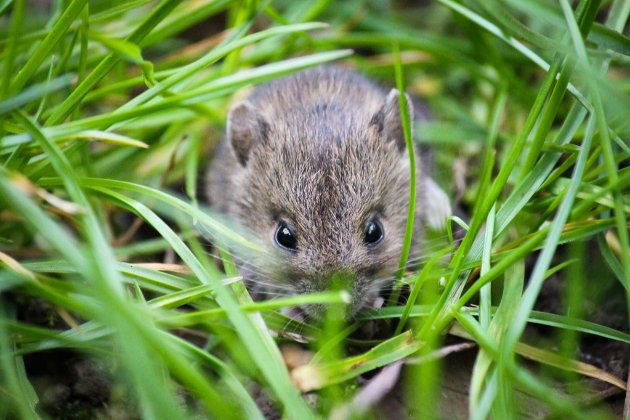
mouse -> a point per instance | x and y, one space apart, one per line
315 167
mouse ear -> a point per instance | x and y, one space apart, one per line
387 119
245 128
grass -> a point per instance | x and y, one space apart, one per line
109 111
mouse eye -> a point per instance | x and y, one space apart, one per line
285 238
373 232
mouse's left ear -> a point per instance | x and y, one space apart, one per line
387 119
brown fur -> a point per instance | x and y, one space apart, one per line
324 151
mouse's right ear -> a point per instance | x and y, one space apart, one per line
245 128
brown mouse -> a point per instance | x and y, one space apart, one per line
315 166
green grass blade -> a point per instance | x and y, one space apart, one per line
411 209
42 51
106 65
9 52
311 377
551 242
259 344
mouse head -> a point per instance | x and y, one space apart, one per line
326 187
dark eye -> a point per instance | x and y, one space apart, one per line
373 232
285 237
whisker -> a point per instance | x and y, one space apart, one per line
430 246
276 287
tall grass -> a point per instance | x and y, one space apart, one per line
109 112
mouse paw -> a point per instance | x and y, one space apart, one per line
437 206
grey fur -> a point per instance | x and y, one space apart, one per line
324 151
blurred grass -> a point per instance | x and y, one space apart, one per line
109 112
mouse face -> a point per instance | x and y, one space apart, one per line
326 191
328 207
